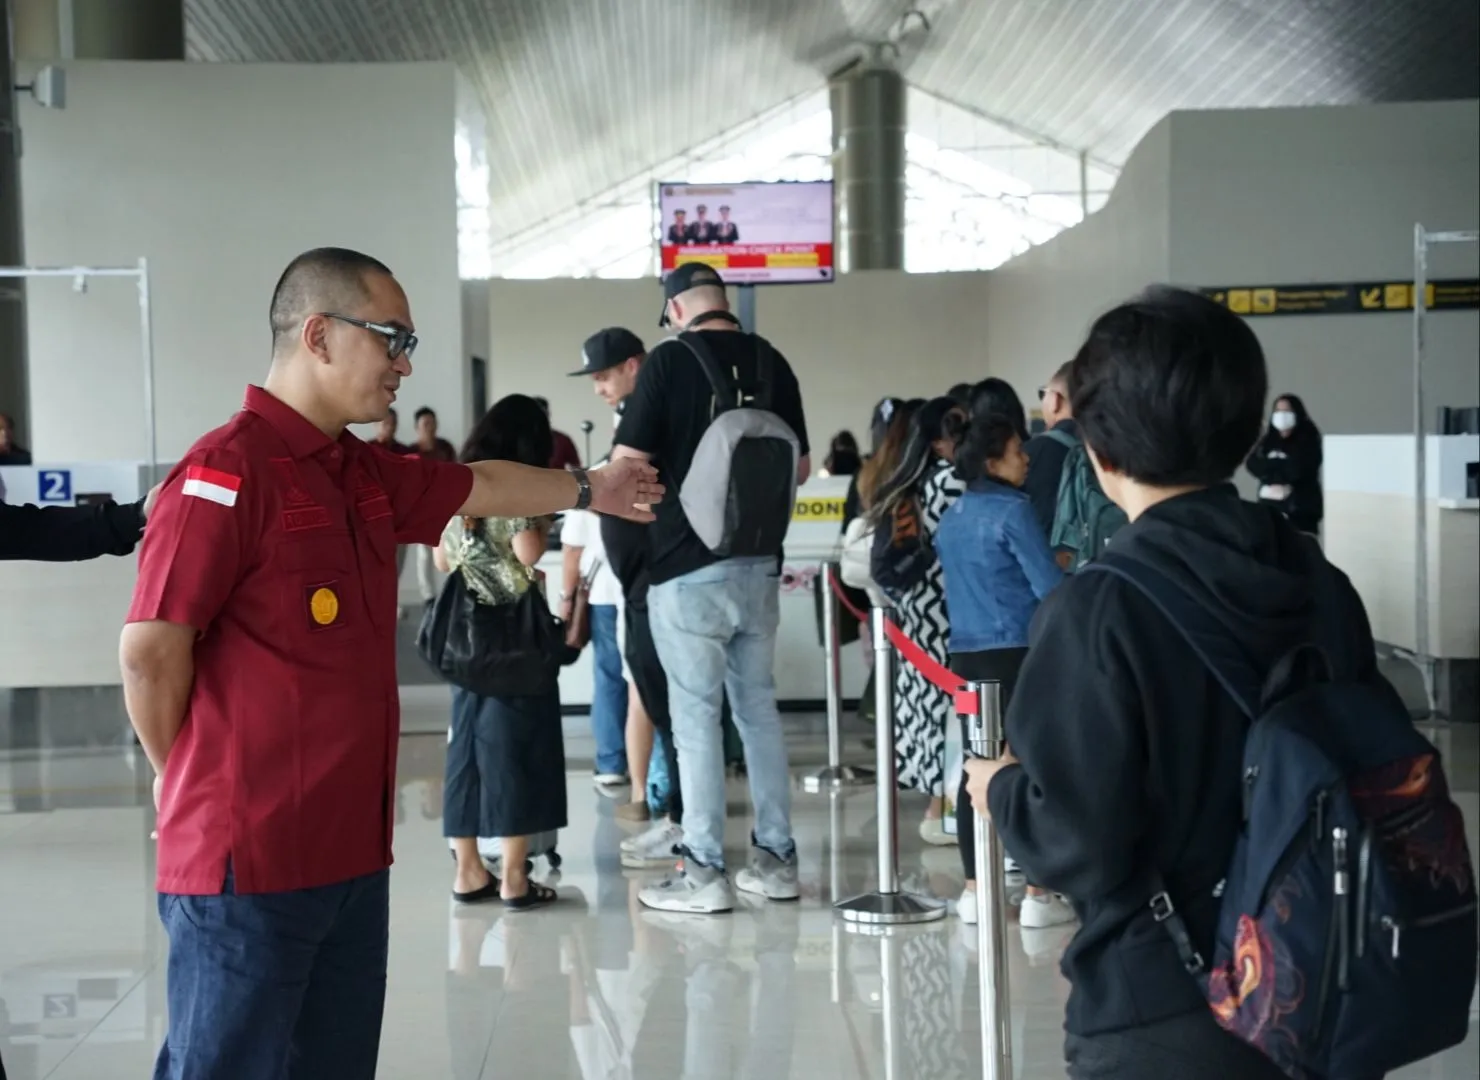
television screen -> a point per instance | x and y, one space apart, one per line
753 234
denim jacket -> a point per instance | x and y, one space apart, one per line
997 567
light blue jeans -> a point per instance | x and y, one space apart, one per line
715 629
608 692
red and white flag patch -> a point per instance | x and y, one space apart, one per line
213 485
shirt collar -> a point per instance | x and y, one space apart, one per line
303 439
988 485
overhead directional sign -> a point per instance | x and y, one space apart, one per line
1351 298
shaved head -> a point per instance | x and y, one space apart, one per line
322 280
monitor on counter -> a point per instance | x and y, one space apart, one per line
752 233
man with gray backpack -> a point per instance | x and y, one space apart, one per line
719 412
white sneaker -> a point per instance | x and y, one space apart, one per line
694 890
1041 912
768 876
966 907
933 832
612 780
658 846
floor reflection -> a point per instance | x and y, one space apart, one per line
594 988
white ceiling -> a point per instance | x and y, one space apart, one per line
584 94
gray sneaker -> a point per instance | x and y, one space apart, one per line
694 890
769 876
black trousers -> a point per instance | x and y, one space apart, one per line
990 665
1186 1046
652 686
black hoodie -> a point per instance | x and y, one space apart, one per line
69 533
1131 754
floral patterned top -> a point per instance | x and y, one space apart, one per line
485 555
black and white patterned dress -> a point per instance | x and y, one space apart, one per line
921 712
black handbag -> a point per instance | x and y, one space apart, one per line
504 650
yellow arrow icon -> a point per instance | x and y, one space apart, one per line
1372 298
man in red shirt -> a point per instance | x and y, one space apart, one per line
259 673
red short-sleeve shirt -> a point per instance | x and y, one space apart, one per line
278 544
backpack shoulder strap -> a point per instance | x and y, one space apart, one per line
726 393
765 373
1219 652
1226 662
1063 438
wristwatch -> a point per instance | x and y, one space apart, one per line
583 482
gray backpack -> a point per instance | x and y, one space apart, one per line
742 483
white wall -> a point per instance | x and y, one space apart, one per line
851 342
1284 196
1041 303
1273 196
220 174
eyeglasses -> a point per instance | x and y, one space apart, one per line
398 340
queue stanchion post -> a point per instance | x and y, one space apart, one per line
887 906
836 774
985 739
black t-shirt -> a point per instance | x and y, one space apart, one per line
667 415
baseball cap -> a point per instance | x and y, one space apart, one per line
689 275
608 348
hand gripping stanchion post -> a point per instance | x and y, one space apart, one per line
985 739
887 906
836 774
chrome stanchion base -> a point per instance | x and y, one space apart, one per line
837 776
891 909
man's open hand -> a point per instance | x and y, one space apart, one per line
626 488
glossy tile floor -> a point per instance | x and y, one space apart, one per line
593 989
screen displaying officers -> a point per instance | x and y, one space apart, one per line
702 230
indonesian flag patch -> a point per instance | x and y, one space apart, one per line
213 485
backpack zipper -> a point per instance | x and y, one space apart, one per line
1334 968
1251 774
1395 927
1315 827
1342 885
1364 887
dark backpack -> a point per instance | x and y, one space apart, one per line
742 483
1347 930
902 553
1085 519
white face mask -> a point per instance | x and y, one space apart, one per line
1284 420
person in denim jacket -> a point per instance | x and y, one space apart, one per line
998 567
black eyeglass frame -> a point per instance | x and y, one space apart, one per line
398 340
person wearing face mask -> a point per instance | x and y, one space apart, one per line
1287 464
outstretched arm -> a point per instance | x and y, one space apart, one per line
70 533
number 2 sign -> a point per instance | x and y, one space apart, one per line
54 486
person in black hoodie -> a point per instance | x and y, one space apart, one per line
1128 754
1287 464
72 533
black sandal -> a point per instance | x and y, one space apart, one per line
479 896
535 896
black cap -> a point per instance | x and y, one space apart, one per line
608 348
686 276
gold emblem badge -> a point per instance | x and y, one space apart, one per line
323 606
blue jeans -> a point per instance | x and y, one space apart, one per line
715 630
608 692
276 986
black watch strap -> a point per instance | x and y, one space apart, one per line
583 493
